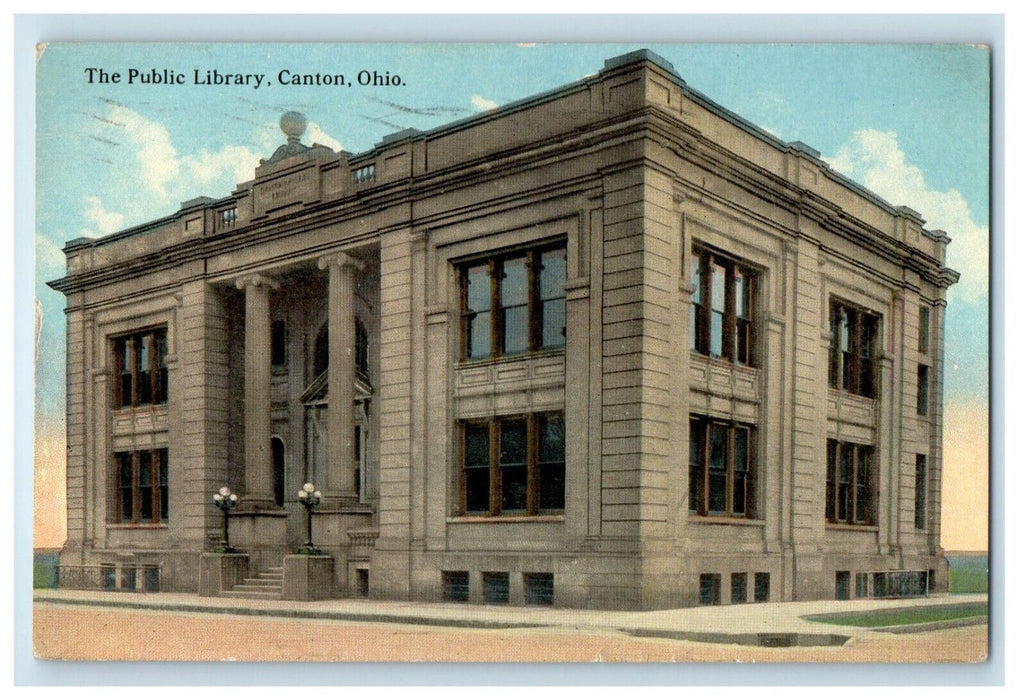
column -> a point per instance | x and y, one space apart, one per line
259 491
341 467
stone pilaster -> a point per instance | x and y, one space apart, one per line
259 491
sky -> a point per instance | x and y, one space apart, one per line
910 122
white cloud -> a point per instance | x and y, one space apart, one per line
482 104
103 221
48 254
875 159
151 141
314 134
206 166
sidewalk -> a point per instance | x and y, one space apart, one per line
756 624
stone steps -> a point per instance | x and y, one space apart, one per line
266 585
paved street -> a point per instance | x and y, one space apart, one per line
67 629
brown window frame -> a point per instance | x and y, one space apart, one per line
158 488
864 341
498 311
534 465
836 496
156 368
734 326
699 484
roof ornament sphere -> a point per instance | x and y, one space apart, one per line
293 124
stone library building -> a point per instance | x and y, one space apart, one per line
610 346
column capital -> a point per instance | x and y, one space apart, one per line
339 259
256 280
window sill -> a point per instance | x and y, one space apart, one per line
852 527
143 408
137 526
723 362
505 519
724 520
509 359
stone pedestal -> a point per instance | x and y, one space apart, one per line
308 577
220 572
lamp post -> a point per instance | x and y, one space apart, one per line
310 497
225 500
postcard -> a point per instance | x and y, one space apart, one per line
512 352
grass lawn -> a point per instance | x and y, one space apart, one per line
903 616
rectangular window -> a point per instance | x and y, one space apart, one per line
456 586
140 365
762 587
861 585
722 307
923 390
538 589
514 304
709 589
141 484
921 486
722 474
842 585
152 579
361 349
738 588
924 329
496 586
128 578
852 350
514 465
850 483
109 574
279 355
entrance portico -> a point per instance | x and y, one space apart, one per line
309 395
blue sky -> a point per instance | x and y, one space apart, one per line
911 122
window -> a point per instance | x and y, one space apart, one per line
496 586
514 465
923 390
709 589
739 588
538 589
842 585
920 492
722 481
852 358
361 347
722 307
140 364
514 304
140 481
861 585
762 587
456 586
924 329
279 356
850 483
